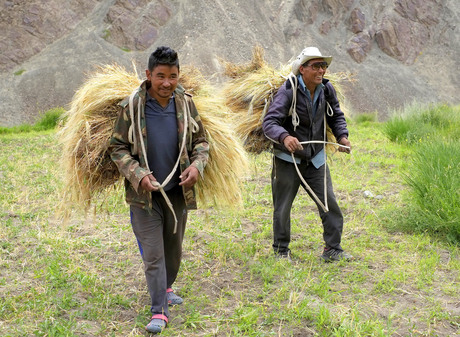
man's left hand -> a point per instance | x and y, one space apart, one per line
344 141
189 177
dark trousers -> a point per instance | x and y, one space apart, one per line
161 250
285 185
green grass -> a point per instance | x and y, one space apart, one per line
433 198
366 117
47 121
434 179
19 72
421 123
84 277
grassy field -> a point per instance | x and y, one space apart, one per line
84 277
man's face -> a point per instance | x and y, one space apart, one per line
313 72
164 80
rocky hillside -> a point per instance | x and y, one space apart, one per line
397 50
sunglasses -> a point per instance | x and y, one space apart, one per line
317 65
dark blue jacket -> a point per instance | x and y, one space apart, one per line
277 124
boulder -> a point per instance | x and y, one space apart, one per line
357 21
359 46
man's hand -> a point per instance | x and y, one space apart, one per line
344 141
189 177
149 183
292 144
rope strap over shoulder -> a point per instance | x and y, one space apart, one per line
292 110
131 132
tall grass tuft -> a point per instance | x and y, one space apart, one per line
366 118
47 121
50 119
417 122
434 180
433 175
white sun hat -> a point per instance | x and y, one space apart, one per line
307 54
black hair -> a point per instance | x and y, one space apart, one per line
163 55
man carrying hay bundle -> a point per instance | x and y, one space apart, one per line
159 145
296 123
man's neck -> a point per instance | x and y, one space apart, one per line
311 88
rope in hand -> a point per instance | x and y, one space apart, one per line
325 205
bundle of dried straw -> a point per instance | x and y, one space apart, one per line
87 128
228 163
250 91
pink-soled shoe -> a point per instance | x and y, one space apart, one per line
157 323
173 299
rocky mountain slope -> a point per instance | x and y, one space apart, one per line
397 50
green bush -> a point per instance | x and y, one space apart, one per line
434 182
48 120
397 129
418 122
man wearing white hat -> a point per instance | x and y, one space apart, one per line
296 123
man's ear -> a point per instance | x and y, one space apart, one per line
301 69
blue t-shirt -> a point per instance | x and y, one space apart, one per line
162 140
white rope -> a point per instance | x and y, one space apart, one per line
131 133
324 207
330 113
329 110
194 127
295 122
171 174
292 110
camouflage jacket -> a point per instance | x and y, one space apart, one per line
126 149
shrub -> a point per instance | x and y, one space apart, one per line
49 119
434 182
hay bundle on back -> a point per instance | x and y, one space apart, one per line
250 93
87 130
88 127
228 162
234 70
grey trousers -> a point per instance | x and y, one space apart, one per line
285 185
161 250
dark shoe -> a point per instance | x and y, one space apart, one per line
332 255
157 323
286 254
173 299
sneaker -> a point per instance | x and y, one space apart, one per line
173 299
286 254
332 254
157 323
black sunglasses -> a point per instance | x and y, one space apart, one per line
317 65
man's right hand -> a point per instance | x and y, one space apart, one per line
292 144
147 183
